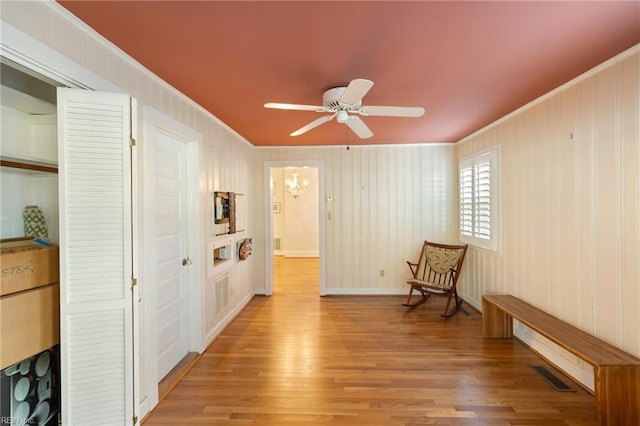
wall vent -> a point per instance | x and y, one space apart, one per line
553 380
221 294
217 299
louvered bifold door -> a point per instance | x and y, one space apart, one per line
95 258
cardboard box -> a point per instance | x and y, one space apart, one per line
29 323
25 264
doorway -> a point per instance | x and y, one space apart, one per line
172 260
294 225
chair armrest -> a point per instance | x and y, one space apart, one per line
413 267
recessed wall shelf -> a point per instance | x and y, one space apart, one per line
219 253
224 210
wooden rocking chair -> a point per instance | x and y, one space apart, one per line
437 272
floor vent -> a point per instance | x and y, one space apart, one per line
553 380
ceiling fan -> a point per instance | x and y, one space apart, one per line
342 103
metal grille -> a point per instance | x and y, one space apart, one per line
553 380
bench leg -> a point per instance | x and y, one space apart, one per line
617 395
495 323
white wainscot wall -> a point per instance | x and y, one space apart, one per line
385 201
571 217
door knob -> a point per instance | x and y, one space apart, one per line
186 262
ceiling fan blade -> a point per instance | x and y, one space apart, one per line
314 123
356 90
358 127
296 107
392 111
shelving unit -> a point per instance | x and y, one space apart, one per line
31 312
28 162
29 303
28 183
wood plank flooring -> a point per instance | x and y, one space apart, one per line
299 359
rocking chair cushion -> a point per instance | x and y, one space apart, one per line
442 261
427 284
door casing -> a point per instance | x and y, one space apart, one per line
155 121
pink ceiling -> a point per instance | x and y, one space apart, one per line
467 63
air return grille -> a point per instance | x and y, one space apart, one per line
553 380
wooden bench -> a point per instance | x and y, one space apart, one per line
616 373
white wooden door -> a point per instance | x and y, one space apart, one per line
96 258
172 258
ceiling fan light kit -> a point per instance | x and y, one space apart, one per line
342 102
343 116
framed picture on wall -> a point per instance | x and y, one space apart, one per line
275 207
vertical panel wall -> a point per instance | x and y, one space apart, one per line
386 201
571 205
226 158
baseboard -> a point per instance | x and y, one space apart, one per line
226 320
300 253
365 291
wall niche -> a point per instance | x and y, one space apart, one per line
224 211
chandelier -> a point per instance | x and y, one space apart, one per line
294 188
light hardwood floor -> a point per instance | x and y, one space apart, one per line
298 359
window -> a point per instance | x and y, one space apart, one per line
480 199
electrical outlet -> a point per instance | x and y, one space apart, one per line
381 272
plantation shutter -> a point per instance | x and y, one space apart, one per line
478 192
482 198
466 199
95 258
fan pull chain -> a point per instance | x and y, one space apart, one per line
347 131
